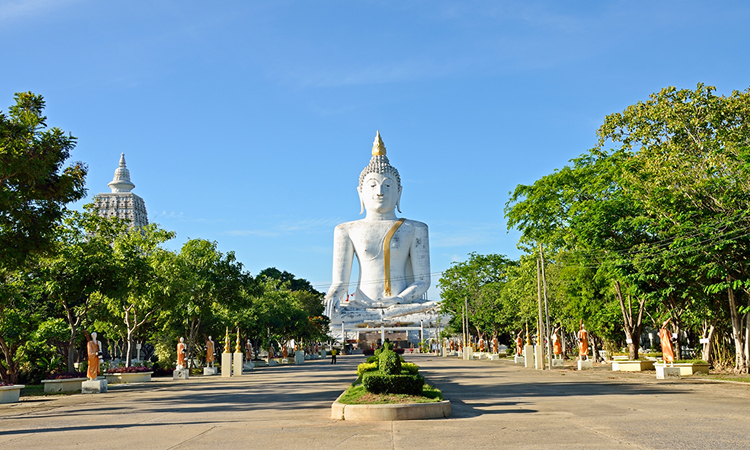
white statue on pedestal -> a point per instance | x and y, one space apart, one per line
393 254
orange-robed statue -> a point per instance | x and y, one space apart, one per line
94 352
481 345
556 343
181 347
666 343
519 343
583 339
494 345
210 352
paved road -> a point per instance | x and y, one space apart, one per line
495 405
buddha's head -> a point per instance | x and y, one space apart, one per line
93 335
379 183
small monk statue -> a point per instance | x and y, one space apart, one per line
556 343
519 343
481 344
248 351
271 354
494 345
583 340
665 337
285 352
210 352
94 352
181 347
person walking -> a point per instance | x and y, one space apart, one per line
333 356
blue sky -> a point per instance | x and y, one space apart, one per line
248 123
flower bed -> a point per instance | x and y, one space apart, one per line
10 393
129 376
63 384
632 366
688 369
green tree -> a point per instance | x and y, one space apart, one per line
34 186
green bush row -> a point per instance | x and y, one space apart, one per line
366 367
380 383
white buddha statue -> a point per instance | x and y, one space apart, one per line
393 254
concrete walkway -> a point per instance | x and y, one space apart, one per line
496 404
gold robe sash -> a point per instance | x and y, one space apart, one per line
387 255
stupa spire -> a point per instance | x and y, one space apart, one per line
121 181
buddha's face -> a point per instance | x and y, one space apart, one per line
379 193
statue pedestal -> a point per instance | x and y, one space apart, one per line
97 387
299 357
180 374
557 362
210 371
528 356
586 364
664 372
237 366
226 364
539 357
248 366
518 359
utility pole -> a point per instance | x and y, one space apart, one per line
546 310
539 322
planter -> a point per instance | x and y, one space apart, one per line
63 385
137 377
632 366
401 411
688 369
10 394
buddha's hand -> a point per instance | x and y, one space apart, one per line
332 304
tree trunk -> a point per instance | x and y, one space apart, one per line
632 325
706 354
740 365
678 340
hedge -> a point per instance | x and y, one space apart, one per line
379 383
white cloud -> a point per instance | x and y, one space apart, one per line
31 9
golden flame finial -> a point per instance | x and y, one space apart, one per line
378 148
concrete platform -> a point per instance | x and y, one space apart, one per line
494 404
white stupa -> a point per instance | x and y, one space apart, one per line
121 202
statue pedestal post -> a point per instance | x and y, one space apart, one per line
585 364
97 387
237 366
539 357
299 357
528 356
226 364
180 374
208 371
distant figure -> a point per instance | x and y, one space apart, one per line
556 343
248 351
519 343
94 351
181 354
583 339
285 352
333 356
481 344
494 345
210 352
271 353
665 336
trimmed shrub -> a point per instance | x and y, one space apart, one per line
366 367
389 363
410 368
379 383
372 359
